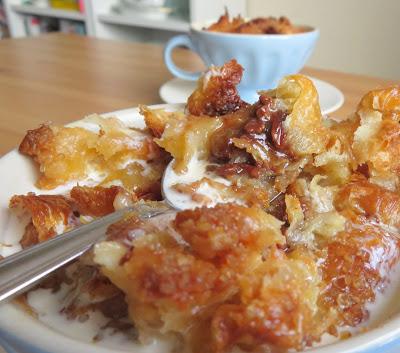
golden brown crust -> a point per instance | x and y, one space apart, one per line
269 314
67 154
97 201
284 125
189 138
357 265
337 161
235 276
51 214
30 236
165 285
173 276
273 311
225 24
357 261
216 93
62 153
360 199
384 100
268 25
227 230
260 25
35 141
155 122
260 149
376 140
304 129
229 271
157 119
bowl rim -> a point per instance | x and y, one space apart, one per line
28 332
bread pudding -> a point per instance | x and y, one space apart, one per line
304 239
259 25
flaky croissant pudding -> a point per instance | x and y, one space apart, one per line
309 241
260 25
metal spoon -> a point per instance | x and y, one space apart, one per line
21 271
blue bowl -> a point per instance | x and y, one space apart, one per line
266 58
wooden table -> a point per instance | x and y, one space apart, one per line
61 78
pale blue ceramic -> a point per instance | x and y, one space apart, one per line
266 58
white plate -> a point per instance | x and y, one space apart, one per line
21 333
178 91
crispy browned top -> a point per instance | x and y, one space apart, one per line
260 25
226 231
216 92
97 201
312 242
115 153
361 199
50 214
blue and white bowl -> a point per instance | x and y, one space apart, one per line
266 58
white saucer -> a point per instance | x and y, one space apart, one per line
178 91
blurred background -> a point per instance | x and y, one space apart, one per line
357 36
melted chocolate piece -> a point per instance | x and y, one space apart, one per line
261 127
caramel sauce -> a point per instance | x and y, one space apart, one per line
230 169
261 129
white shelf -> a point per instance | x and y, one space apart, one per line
167 24
100 22
48 12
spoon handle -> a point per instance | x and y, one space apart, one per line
21 271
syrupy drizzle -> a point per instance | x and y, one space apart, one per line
272 119
230 169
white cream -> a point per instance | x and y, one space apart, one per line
48 305
144 164
207 190
196 170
